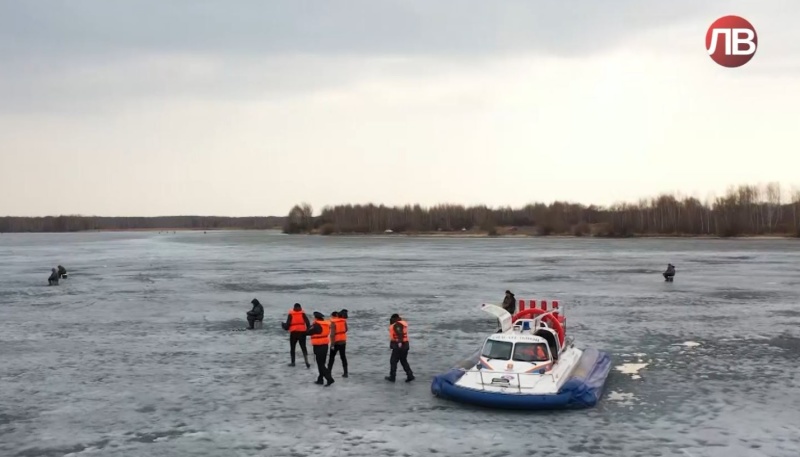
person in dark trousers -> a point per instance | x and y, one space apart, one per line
339 339
62 272
398 342
296 324
320 333
669 275
53 279
255 314
510 303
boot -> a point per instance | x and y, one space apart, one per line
389 378
410 378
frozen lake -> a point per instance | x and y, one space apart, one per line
133 355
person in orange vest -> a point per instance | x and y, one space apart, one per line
320 333
541 355
535 352
339 339
398 342
297 324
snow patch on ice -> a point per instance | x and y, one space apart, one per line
631 369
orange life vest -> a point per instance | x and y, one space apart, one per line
340 336
323 338
296 322
393 337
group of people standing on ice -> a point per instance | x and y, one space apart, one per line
329 339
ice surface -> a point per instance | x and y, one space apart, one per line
133 355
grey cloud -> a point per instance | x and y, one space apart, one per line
75 56
386 27
91 86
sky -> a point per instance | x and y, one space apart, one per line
245 108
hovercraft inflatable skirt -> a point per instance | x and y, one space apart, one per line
582 390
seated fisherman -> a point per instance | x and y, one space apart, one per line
670 273
255 314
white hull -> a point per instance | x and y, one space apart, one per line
522 383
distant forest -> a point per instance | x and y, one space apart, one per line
743 211
82 223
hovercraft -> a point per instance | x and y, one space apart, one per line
529 364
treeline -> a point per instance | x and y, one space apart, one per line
744 210
82 223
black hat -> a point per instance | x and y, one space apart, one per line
318 315
394 317
297 307
343 313
255 301
334 314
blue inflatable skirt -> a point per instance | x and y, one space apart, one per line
582 390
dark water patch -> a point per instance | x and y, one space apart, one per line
719 261
398 297
301 271
61 451
228 325
550 260
744 294
790 344
466 325
46 305
473 266
787 313
150 437
715 318
413 260
544 278
428 301
6 419
273 328
621 273
142 278
637 271
267 287
368 315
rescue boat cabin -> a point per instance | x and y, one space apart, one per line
527 332
528 346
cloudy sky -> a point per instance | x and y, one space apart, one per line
248 107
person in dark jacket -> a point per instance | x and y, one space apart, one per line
320 333
255 314
398 343
296 324
62 272
510 303
53 279
339 339
669 275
